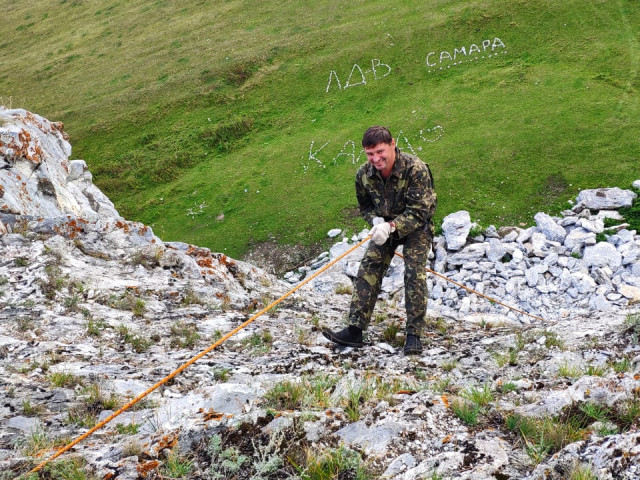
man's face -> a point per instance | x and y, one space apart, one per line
382 156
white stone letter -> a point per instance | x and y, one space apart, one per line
349 84
331 75
456 52
376 63
497 42
312 154
473 48
400 138
342 152
444 55
430 64
485 44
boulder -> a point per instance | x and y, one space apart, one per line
606 198
456 227
577 238
36 176
549 227
471 253
602 254
630 292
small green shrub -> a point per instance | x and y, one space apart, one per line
71 303
21 261
286 395
508 358
449 365
481 397
64 379
31 410
225 462
128 429
582 472
356 396
622 366
176 466
190 297
34 442
569 371
259 342
132 448
545 436
466 411
632 214
628 414
344 290
508 387
632 323
595 370
68 469
221 374
319 390
24 323
137 342
139 308
601 237
53 282
95 326
336 463
390 334
443 385
184 335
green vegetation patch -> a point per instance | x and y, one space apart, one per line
232 124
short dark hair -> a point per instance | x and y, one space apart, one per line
375 135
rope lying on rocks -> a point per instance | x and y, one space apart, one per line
219 342
487 297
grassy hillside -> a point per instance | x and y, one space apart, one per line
221 122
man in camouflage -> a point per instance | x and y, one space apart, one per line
396 196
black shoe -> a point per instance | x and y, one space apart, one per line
412 345
349 337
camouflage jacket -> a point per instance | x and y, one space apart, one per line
407 197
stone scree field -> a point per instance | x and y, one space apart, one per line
95 309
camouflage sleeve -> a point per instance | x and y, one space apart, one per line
365 204
421 202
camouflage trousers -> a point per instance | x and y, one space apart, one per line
373 268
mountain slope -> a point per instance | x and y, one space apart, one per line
228 124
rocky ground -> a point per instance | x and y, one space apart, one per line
95 310
83 334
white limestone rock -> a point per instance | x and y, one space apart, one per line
606 198
456 227
36 176
602 254
577 238
550 229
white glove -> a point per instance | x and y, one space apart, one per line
377 220
380 233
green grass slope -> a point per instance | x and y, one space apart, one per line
230 123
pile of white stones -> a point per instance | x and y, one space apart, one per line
561 266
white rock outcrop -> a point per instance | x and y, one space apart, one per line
36 176
456 227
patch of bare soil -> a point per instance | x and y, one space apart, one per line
278 259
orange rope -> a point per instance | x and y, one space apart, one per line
190 362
